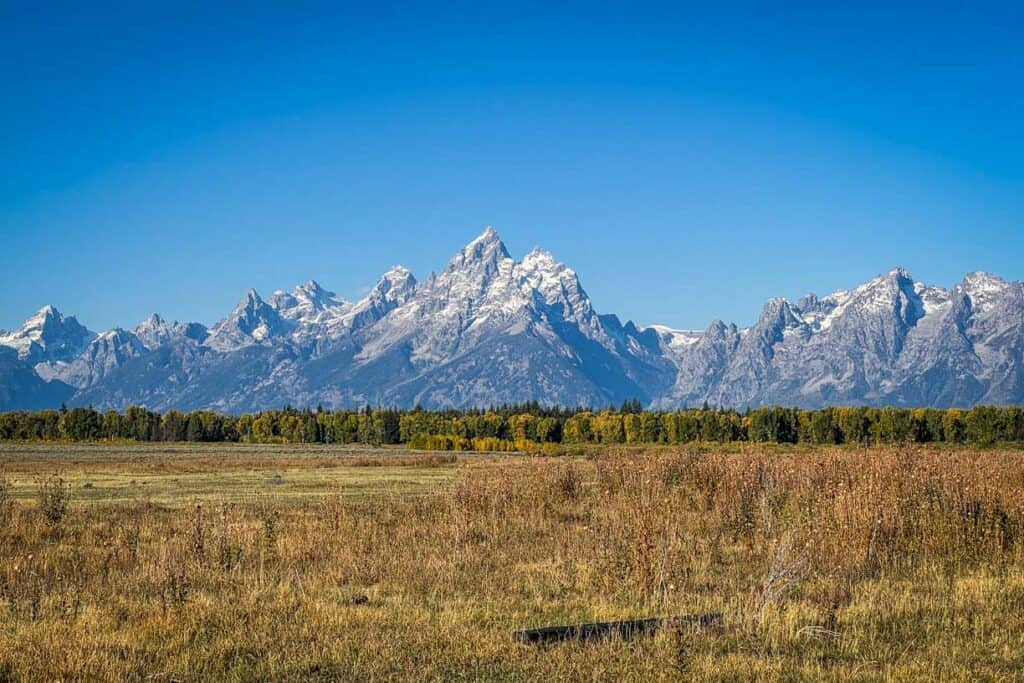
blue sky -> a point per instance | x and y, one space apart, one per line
688 163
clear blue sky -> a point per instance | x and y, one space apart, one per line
688 163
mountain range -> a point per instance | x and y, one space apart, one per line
490 329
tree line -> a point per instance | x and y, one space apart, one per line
524 427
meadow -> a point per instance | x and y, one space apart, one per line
175 562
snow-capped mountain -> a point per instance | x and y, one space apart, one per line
106 352
889 341
253 321
309 303
47 336
392 290
491 329
488 329
154 331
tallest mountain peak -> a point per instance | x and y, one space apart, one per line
487 240
488 235
486 248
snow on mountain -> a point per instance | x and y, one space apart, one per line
985 291
309 303
394 288
891 340
520 329
103 354
252 321
699 364
674 340
155 332
47 336
491 329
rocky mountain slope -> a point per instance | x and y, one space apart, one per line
491 329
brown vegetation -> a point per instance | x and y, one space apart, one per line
832 564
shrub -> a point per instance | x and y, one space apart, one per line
53 495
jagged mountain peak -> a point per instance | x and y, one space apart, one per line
397 270
478 273
540 265
251 307
484 281
40 319
251 304
776 304
395 286
316 297
308 302
484 292
542 260
539 255
46 335
777 321
894 291
878 294
980 282
251 321
251 301
101 356
490 329
778 313
154 331
396 276
488 236
486 249
47 311
808 302
895 280
46 318
983 278
555 282
312 289
983 289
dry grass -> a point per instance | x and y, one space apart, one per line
177 474
828 565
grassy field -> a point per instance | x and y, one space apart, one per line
291 563
176 475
